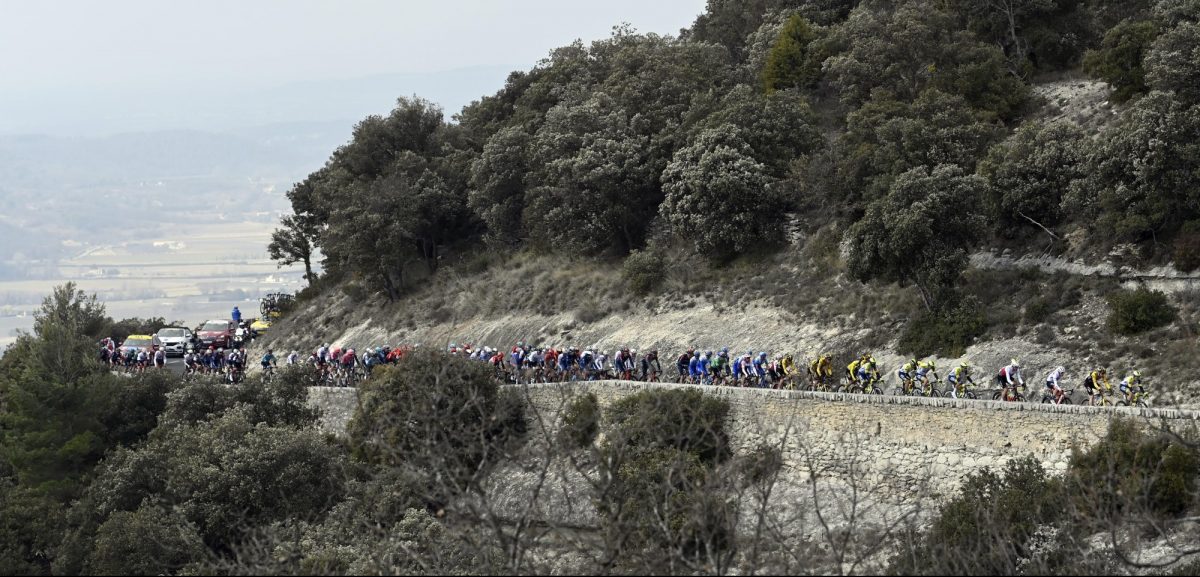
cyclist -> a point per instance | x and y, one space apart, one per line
1128 384
268 360
1096 383
1010 377
236 315
868 371
694 367
738 369
293 357
143 359
924 368
651 369
747 375
760 369
160 358
852 369
959 377
718 364
703 365
908 374
681 364
348 361
820 369
1053 383
787 365
191 362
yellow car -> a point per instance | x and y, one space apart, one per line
260 325
141 342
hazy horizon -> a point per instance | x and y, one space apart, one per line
96 69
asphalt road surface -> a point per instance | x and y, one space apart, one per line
175 365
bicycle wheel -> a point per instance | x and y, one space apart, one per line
897 392
996 396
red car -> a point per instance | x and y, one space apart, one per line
217 333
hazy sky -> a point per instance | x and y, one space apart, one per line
97 53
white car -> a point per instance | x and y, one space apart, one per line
175 340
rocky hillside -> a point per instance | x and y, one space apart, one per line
797 175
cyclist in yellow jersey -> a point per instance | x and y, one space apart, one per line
1095 382
788 365
1129 383
852 370
908 374
820 368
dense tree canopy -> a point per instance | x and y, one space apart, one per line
719 197
1029 172
921 231
831 102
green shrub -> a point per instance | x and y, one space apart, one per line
988 527
224 476
946 333
280 402
643 271
149 541
1134 471
666 496
31 527
581 422
1138 311
660 502
439 413
1119 61
687 420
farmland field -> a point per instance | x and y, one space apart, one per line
200 271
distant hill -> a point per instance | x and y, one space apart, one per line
339 100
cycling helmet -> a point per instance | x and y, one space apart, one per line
964 365
724 350
708 354
269 351
1137 374
1016 363
762 355
1060 369
633 352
